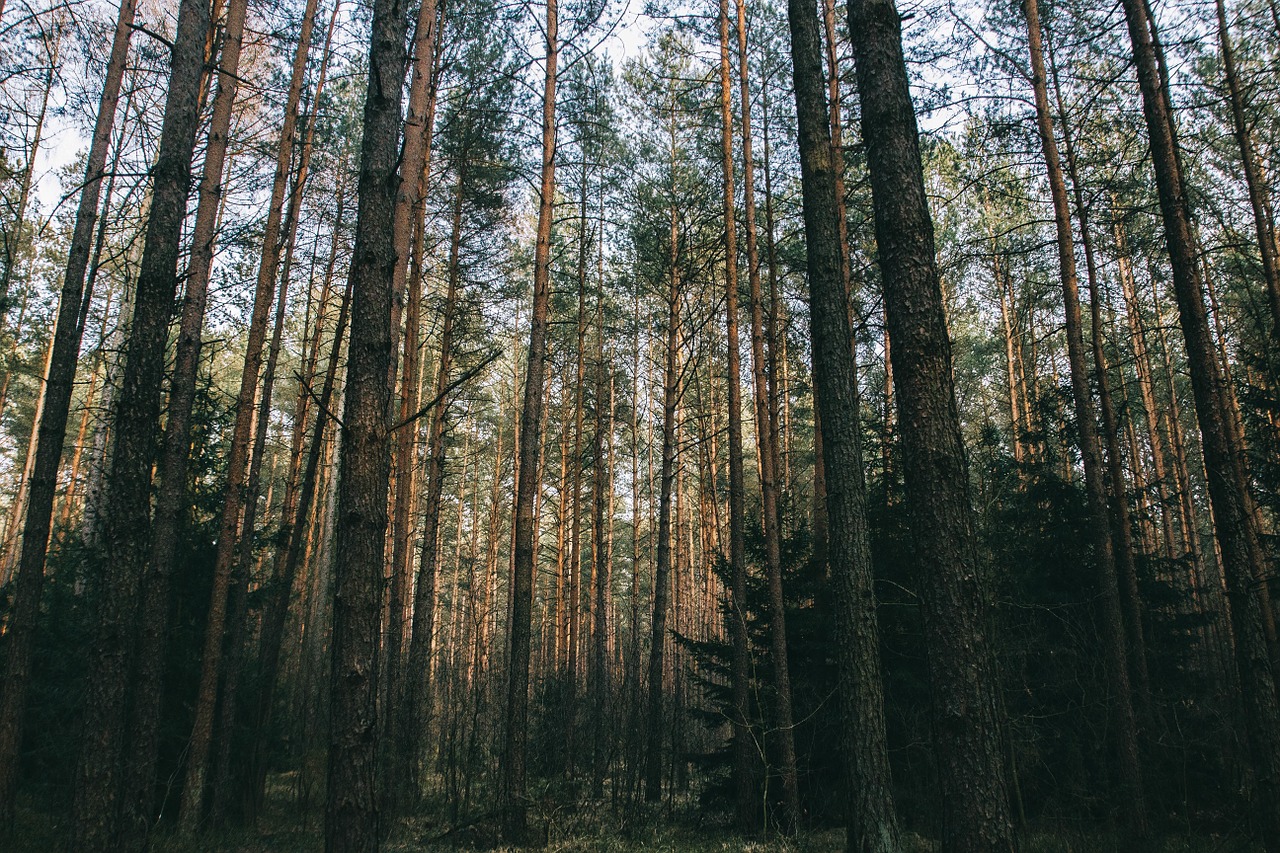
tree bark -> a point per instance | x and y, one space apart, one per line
351 813
515 735
872 819
952 583
126 543
1235 522
52 426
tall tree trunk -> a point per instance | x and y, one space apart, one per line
351 814
1116 641
403 756
515 735
1235 522
126 543
662 571
52 427
767 460
575 496
422 631
872 819
1121 524
288 561
951 582
229 529
601 570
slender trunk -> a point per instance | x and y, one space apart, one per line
293 530
422 631
1263 223
197 767
1117 642
575 497
415 157
515 734
402 761
662 571
1235 522
952 583
52 426
601 494
302 404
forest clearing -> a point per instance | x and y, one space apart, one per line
635 425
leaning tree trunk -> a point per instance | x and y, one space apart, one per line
52 428
872 818
128 493
238 457
1244 562
351 811
951 582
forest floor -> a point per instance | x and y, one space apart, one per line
298 835
290 826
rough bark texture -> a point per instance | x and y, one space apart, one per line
872 824
1235 521
126 537
952 586
52 426
174 455
351 813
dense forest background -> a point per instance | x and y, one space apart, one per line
680 426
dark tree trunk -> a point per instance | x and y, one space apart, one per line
951 582
1235 521
364 471
52 427
123 557
515 734
872 819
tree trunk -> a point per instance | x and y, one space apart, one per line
516 735
872 820
351 814
52 426
422 631
1118 643
662 571
1264 226
951 582
126 540
1243 560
